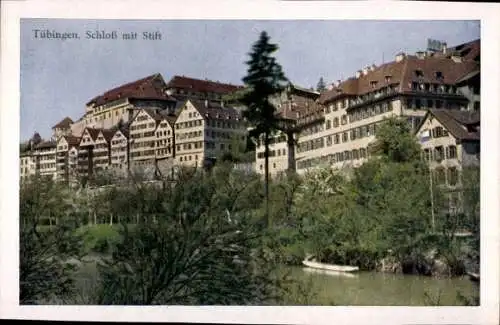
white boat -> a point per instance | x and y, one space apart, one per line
330 267
331 273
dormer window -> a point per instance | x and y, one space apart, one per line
388 79
419 73
373 84
439 75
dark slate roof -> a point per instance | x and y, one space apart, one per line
215 111
72 140
46 144
64 123
201 86
463 125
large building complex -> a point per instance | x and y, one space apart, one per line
133 128
153 124
339 126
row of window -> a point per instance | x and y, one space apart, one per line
188 158
162 133
188 135
367 112
449 176
100 146
142 135
166 151
276 139
440 153
47 157
347 155
142 153
163 143
145 144
351 135
135 127
47 166
272 153
117 142
188 124
434 88
358 100
189 146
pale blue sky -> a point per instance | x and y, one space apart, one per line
59 77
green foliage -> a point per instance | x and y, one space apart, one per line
321 86
47 258
193 254
396 142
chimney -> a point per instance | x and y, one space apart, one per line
372 67
400 56
456 57
365 70
337 84
358 73
420 54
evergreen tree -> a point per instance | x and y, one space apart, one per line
321 86
264 79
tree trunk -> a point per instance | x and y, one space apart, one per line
266 177
291 152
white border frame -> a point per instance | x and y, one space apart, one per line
12 11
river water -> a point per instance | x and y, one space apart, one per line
382 289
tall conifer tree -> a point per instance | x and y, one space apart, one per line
265 78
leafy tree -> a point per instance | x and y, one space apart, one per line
321 86
193 254
396 142
47 253
264 79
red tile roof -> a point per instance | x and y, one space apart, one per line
64 123
201 86
402 73
151 87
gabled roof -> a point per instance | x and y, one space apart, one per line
308 92
215 111
107 134
150 87
463 125
92 132
201 86
65 123
71 140
468 51
170 118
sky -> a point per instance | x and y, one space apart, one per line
59 76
